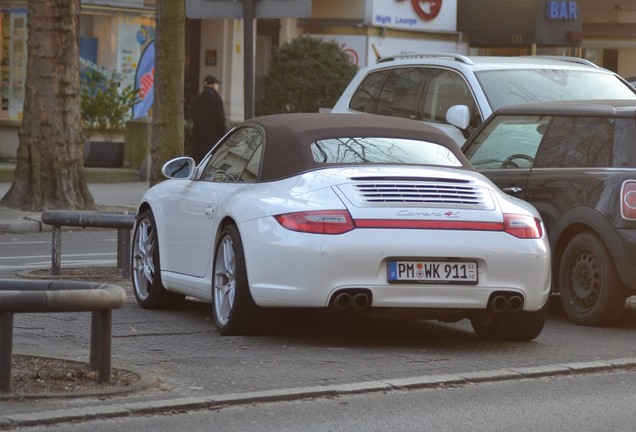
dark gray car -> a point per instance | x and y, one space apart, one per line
576 163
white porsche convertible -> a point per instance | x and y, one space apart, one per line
350 212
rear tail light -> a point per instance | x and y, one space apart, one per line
628 200
318 222
522 226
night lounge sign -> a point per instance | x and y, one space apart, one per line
423 15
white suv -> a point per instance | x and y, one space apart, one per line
457 93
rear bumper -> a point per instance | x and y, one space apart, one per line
626 265
290 269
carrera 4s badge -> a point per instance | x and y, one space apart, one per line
420 214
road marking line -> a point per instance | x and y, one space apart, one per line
63 255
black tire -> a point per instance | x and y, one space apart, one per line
510 326
233 307
591 290
146 270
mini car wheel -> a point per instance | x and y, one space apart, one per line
591 291
233 308
512 326
146 275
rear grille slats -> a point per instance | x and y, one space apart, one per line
420 193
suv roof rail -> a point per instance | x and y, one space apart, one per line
570 59
453 56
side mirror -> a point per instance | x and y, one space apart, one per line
179 168
458 116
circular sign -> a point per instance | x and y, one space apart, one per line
352 54
428 13
142 35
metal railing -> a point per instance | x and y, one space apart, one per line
123 222
42 296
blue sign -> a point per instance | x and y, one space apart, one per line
144 81
562 10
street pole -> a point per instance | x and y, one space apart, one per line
248 60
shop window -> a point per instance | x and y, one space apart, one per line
13 59
111 40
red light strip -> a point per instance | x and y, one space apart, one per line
431 224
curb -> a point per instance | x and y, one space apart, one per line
47 418
22 225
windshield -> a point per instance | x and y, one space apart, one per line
382 151
514 86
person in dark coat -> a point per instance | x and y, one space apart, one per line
208 118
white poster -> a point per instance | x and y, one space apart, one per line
416 15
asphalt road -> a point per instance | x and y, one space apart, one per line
80 247
585 403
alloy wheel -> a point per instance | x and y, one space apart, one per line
224 281
143 260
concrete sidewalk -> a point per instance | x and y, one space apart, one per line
124 195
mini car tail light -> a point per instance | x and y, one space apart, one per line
628 200
522 226
318 222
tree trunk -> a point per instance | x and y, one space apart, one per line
167 117
49 172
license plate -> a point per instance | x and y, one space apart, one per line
430 271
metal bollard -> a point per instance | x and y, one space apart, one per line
123 222
33 296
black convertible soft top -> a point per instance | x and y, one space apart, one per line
287 149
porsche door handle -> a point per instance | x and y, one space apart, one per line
512 190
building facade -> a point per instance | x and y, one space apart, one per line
114 33
603 32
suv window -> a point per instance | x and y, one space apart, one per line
392 92
445 89
514 86
414 92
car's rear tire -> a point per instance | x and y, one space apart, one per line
145 265
591 290
233 308
511 326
